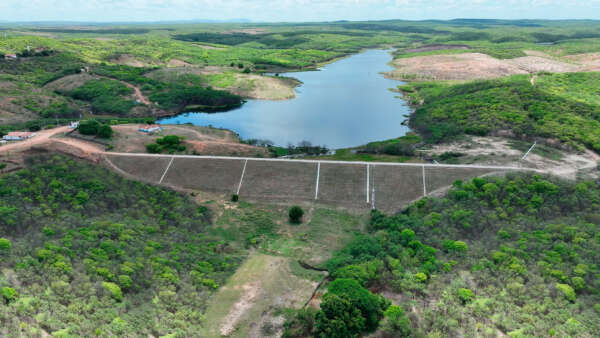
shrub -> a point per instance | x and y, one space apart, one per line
209 283
9 294
48 231
296 214
4 244
300 324
153 148
581 270
169 143
567 291
396 322
370 306
558 274
93 127
503 234
338 318
421 277
465 295
235 198
125 281
364 273
578 283
105 131
455 246
88 127
114 289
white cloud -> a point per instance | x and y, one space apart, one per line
291 10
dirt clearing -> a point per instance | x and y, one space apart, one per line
434 47
499 151
129 60
589 62
473 66
263 87
69 82
262 284
536 64
177 63
128 139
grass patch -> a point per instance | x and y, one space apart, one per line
249 295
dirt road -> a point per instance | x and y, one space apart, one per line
40 138
138 93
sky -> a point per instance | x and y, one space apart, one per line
292 10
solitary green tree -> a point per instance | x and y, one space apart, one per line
4 244
296 214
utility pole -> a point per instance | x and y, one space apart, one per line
373 199
528 151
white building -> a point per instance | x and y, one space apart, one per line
18 135
150 128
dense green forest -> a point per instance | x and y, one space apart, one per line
516 255
560 106
85 252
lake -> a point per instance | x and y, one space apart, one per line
345 104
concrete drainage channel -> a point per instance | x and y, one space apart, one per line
385 186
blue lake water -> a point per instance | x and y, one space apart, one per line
347 103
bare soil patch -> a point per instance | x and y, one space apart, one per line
128 139
263 87
590 62
466 66
434 47
249 31
42 136
13 113
536 64
6 85
173 73
497 151
69 82
129 60
177 63
472 66
225 149
208 47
